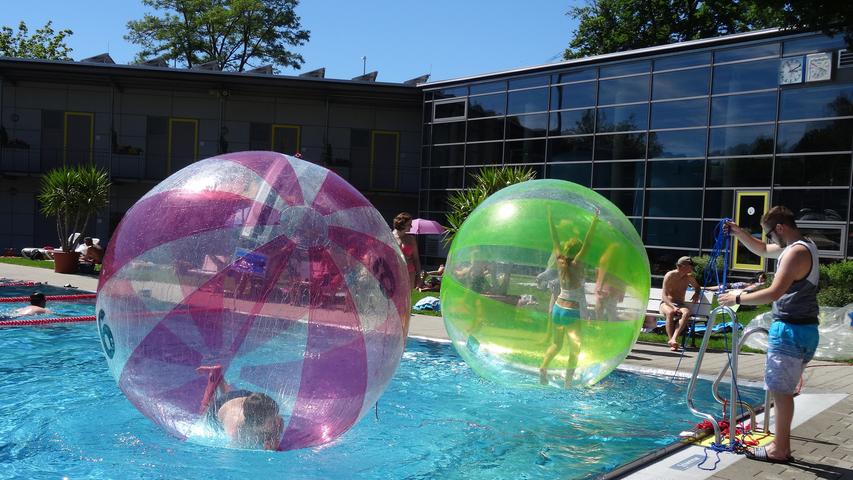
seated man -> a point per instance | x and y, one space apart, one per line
36 307
249 419
94 253
672 305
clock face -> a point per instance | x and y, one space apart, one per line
818 67
791 70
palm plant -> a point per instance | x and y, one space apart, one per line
489 180
73 195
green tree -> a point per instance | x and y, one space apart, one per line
832 17
45 43
236 34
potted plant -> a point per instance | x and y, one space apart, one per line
72 194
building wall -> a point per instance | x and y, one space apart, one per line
46 123
670 138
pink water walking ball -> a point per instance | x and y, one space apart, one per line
253 300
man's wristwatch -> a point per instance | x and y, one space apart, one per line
737 298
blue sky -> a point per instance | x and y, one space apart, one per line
401 39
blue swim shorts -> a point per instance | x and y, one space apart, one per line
564 316
790 348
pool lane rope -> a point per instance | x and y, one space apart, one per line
19 284
46 321
79 296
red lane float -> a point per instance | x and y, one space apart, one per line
19 284
46 321
80 296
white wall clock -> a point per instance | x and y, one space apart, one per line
791 70
818 66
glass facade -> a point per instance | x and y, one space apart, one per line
672 139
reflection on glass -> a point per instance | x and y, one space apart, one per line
719 203
629 201
488 87
750 108
813 203
740 77
487 105
448 155
573 95
752 140
572 149
449 132
671 233
674 203
676 173
826 239
677 143
527 82
527 151
444 178
451 92
450 109
527 126
574 76
620 146
486 129
525 101
625 69
681 113
484 153
623 90
819 136
437 201
683 60
618 175
742 53
573 172
828 101
813 44
572 122
682 83
739 172
813 170
621 119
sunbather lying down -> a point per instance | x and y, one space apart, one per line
249 419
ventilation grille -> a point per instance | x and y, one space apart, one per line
845 59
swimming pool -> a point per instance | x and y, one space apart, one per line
61 414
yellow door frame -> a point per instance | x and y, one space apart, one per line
173 120
373 134
739 194
65 134
281 126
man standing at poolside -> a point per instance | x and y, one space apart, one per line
793 336
672 302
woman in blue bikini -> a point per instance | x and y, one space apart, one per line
571 302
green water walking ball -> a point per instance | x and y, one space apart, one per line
546 283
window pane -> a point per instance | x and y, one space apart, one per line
683 113
448 155
570 149
573 95
674 203
677 143
629 201
625 69
671 233
831 101
573 172
425 156
618 175
527 126
527 82
739 172
449 110
742 53
814 204
679 61
719 203
450 132
683 83
620 147
676 173
451 92
822 170
740 77
813 44
826 239
753 140
572 122
487 105
662 261
756 107
486 129
820 136
484 153
525 101
623 90
621 119
528 151
437 201
488 87
444 178
574 76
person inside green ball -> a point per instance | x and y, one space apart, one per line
570 305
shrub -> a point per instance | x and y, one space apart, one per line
700 265
836 284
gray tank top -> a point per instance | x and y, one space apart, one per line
798 305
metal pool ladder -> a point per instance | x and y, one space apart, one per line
734 401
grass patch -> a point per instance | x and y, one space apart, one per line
26 262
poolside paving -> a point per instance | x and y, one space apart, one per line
822 445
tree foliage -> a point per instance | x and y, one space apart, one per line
45 43
236 34
607 26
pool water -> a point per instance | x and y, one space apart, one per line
62 415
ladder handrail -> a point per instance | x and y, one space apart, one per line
749 332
